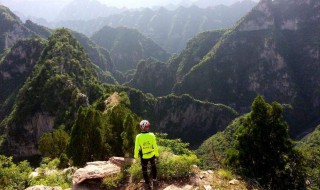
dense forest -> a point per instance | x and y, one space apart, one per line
241 102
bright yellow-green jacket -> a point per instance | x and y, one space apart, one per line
147 143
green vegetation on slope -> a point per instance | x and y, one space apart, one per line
310 149
266 53
263 150
104 130
159 78
257 146
64 79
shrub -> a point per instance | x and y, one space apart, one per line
13 176
112 182
226 174
169 165
49 175
175 166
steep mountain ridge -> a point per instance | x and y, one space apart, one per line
85 10
127 47
64 79
159 78
98 55
273 51
12 29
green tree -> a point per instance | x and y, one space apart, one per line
128 135
88 137
264 151
54 144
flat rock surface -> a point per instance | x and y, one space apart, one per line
95 170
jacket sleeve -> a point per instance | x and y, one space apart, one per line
136 148
155 146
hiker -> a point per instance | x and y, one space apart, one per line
146 148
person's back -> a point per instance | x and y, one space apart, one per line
146 148
147 144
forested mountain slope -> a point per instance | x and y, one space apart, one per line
64 79
159 78
273 51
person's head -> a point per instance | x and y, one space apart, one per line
144 125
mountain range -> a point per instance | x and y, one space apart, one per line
171 29
273 51
46 78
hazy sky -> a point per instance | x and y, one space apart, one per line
137 3
117 3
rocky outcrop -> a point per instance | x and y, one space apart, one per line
153 77
26 143
95 170
260 18
121 161
18 64
12 29
42 187
173 187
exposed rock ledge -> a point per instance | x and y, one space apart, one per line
99 169
41 187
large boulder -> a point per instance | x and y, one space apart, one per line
95 170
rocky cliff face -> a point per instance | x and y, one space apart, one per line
24 141
159 78
182 117
190 120
16 66
274 52
12 29
153 77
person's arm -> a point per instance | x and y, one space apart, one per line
136 148
155 146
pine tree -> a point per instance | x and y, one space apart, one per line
88 137
264 151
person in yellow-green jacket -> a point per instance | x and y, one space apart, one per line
147 149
